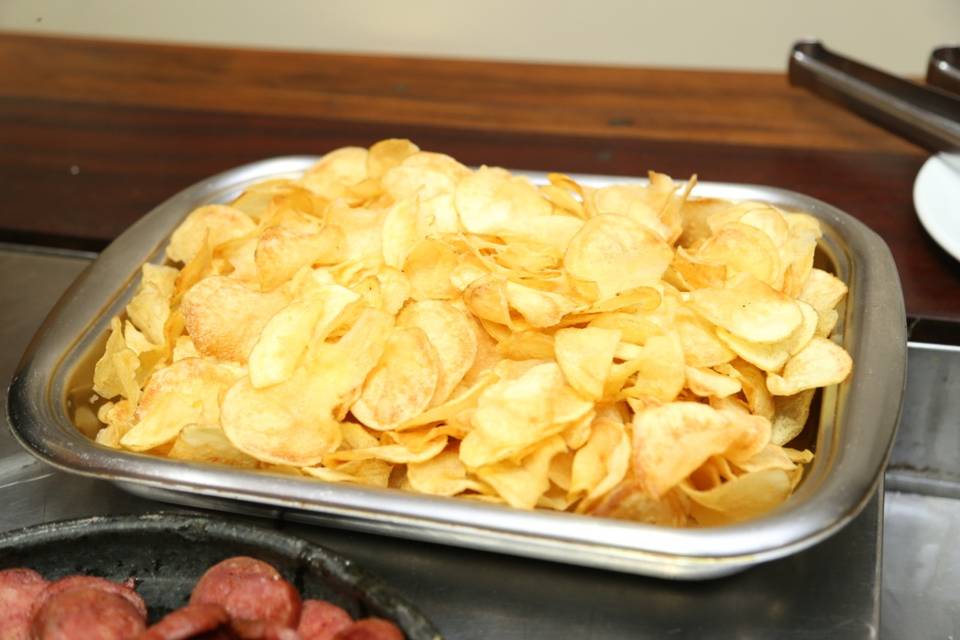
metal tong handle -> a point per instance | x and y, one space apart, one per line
929 117
943 69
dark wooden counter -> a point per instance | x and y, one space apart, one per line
94 133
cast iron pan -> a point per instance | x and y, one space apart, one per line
167 554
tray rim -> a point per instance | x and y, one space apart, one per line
39 422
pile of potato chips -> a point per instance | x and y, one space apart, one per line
393 318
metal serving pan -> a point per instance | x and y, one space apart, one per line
857 419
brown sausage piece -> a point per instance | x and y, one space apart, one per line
249 589
124 590
18 589
187 622
322 620
370 629
86 613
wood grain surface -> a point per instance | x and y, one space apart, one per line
93 134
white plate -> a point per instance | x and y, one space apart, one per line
936 196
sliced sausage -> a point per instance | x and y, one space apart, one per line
262 630
249 589
370 629
188 622
85 613
124 590
322 620
18 590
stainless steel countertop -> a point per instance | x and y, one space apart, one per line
832 590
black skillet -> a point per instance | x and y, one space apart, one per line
167 554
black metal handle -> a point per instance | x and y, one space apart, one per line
927 116
943 69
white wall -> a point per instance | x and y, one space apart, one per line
733 34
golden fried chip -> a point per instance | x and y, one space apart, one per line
224 318
743 248
513 414
707 382
387 154
206 443
586 356
771 356
216 222
116 371
451 333
292 422
740 499
336 172
601 463
522 483
750 309
402 384
443 475
790 416
429 266
617 254
186 392
286 335
819 364
671 440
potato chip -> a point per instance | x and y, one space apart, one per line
335 172
741 499
442 475
116 371
403 452
486 298
522 483
451 333
281 251
743 248
402 384
403 229
754 385
387 154
224 318
286 335
701 345
539 308
371 472
513 414
660 371
585 356
706 383
491 200
207 443
819 364
527 345
617 254
630 501
221 222
602 462
771 356
822 290
671 440
749 309
429 266
186 392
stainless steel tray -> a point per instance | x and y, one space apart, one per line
856 428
